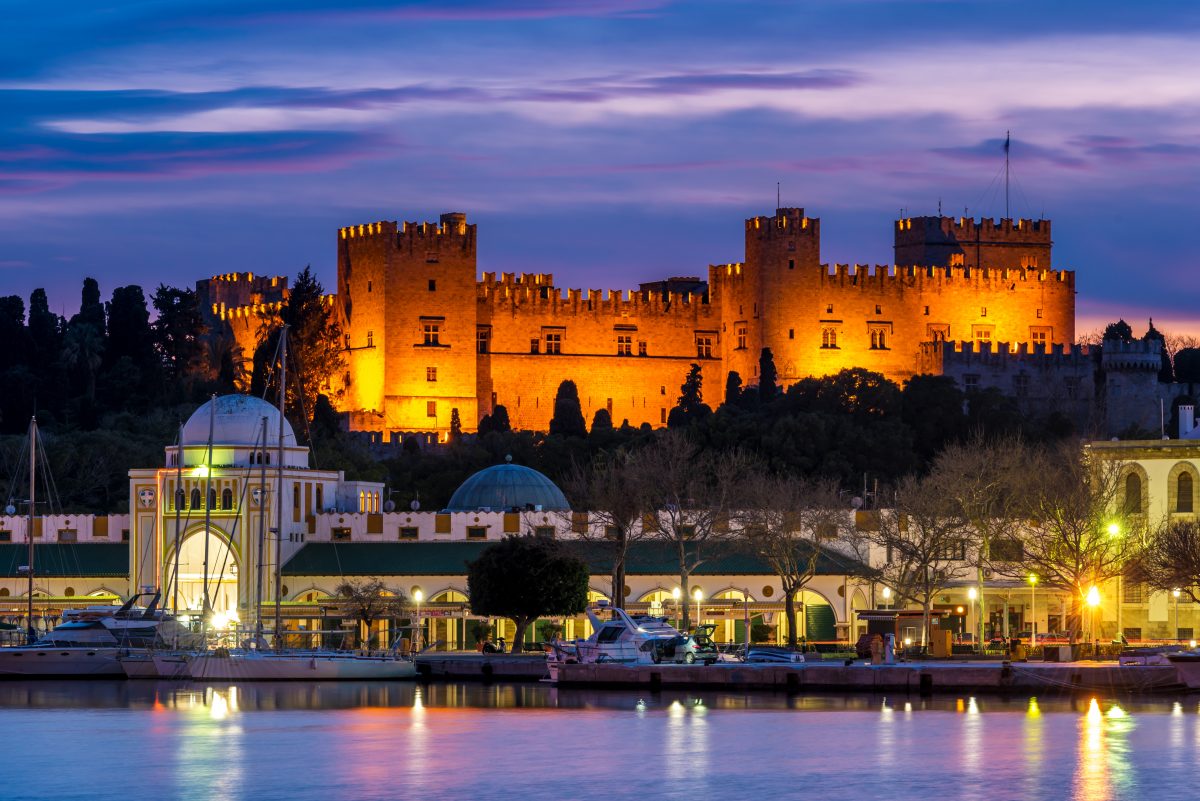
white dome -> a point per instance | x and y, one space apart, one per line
238 421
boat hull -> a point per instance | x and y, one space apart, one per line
299 667
1187 667
60 662
155 666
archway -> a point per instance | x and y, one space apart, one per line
442 625
223 573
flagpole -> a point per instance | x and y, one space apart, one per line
1007 146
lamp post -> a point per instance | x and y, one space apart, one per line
418 596
972 596
697 595
676 594
1033 610
887 595
1175 595
1093 601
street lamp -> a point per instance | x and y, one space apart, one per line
1093 600
887 595
418 596
1175 595
1033 610
973 596
697 595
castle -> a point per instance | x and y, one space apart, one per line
424 336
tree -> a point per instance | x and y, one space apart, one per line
369 600
179 332
609 490
315 355
129 333
1187 365
767 387
691 406
932 406
568 414
91 309
786 521
455 425
689 494
83 349
526 577
601 421
733 387
1170 559
1077 535
1119 330
923 544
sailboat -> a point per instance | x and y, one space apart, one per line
89 641
260 664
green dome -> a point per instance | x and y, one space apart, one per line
506 487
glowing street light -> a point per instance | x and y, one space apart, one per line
697 595
418 596
1175 595
1093 601
676 594
1114 530
1033 610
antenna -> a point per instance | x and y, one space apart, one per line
939 207
778 196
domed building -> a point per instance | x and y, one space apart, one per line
508 488
216 499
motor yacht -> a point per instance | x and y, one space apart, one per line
224 664
623 639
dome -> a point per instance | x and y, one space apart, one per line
238 421
507 486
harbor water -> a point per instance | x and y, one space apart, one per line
103 740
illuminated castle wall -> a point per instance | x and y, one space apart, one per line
425 336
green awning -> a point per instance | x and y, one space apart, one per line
67 559
451 558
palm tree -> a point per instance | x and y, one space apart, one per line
82 349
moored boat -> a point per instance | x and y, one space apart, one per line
251 665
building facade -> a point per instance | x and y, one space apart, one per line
426 336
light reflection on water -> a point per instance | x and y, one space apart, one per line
328 742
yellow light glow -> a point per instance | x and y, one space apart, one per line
907 641
1114 530
1033 578
1191 643
1093 596
676 593
200 472
697 594
887 593
418 596
1175 593
972 593
1034 711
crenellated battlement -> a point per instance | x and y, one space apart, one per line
970 228
1005 355
865 275
544 297
1139 355
452 230
262 309
786 222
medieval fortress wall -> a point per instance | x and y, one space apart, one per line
426 335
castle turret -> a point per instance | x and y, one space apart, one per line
963 242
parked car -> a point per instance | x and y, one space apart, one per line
686 648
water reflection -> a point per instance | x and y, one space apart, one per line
328 742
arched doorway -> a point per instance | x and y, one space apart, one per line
732 629
223 570
445 628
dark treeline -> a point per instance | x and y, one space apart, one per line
111 384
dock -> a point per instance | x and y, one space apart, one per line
460 666
914 677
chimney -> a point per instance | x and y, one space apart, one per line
1186 419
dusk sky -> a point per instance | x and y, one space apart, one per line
607 142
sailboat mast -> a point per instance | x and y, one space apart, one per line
262 534
279 497
178 497
32 513
1007 147
212 422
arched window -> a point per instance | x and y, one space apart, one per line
1184 493
226 498
212 498
828 337
1133 494
320 497
195 498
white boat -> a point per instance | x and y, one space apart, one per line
154 664
624 639
91 642
1187 667
252 665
